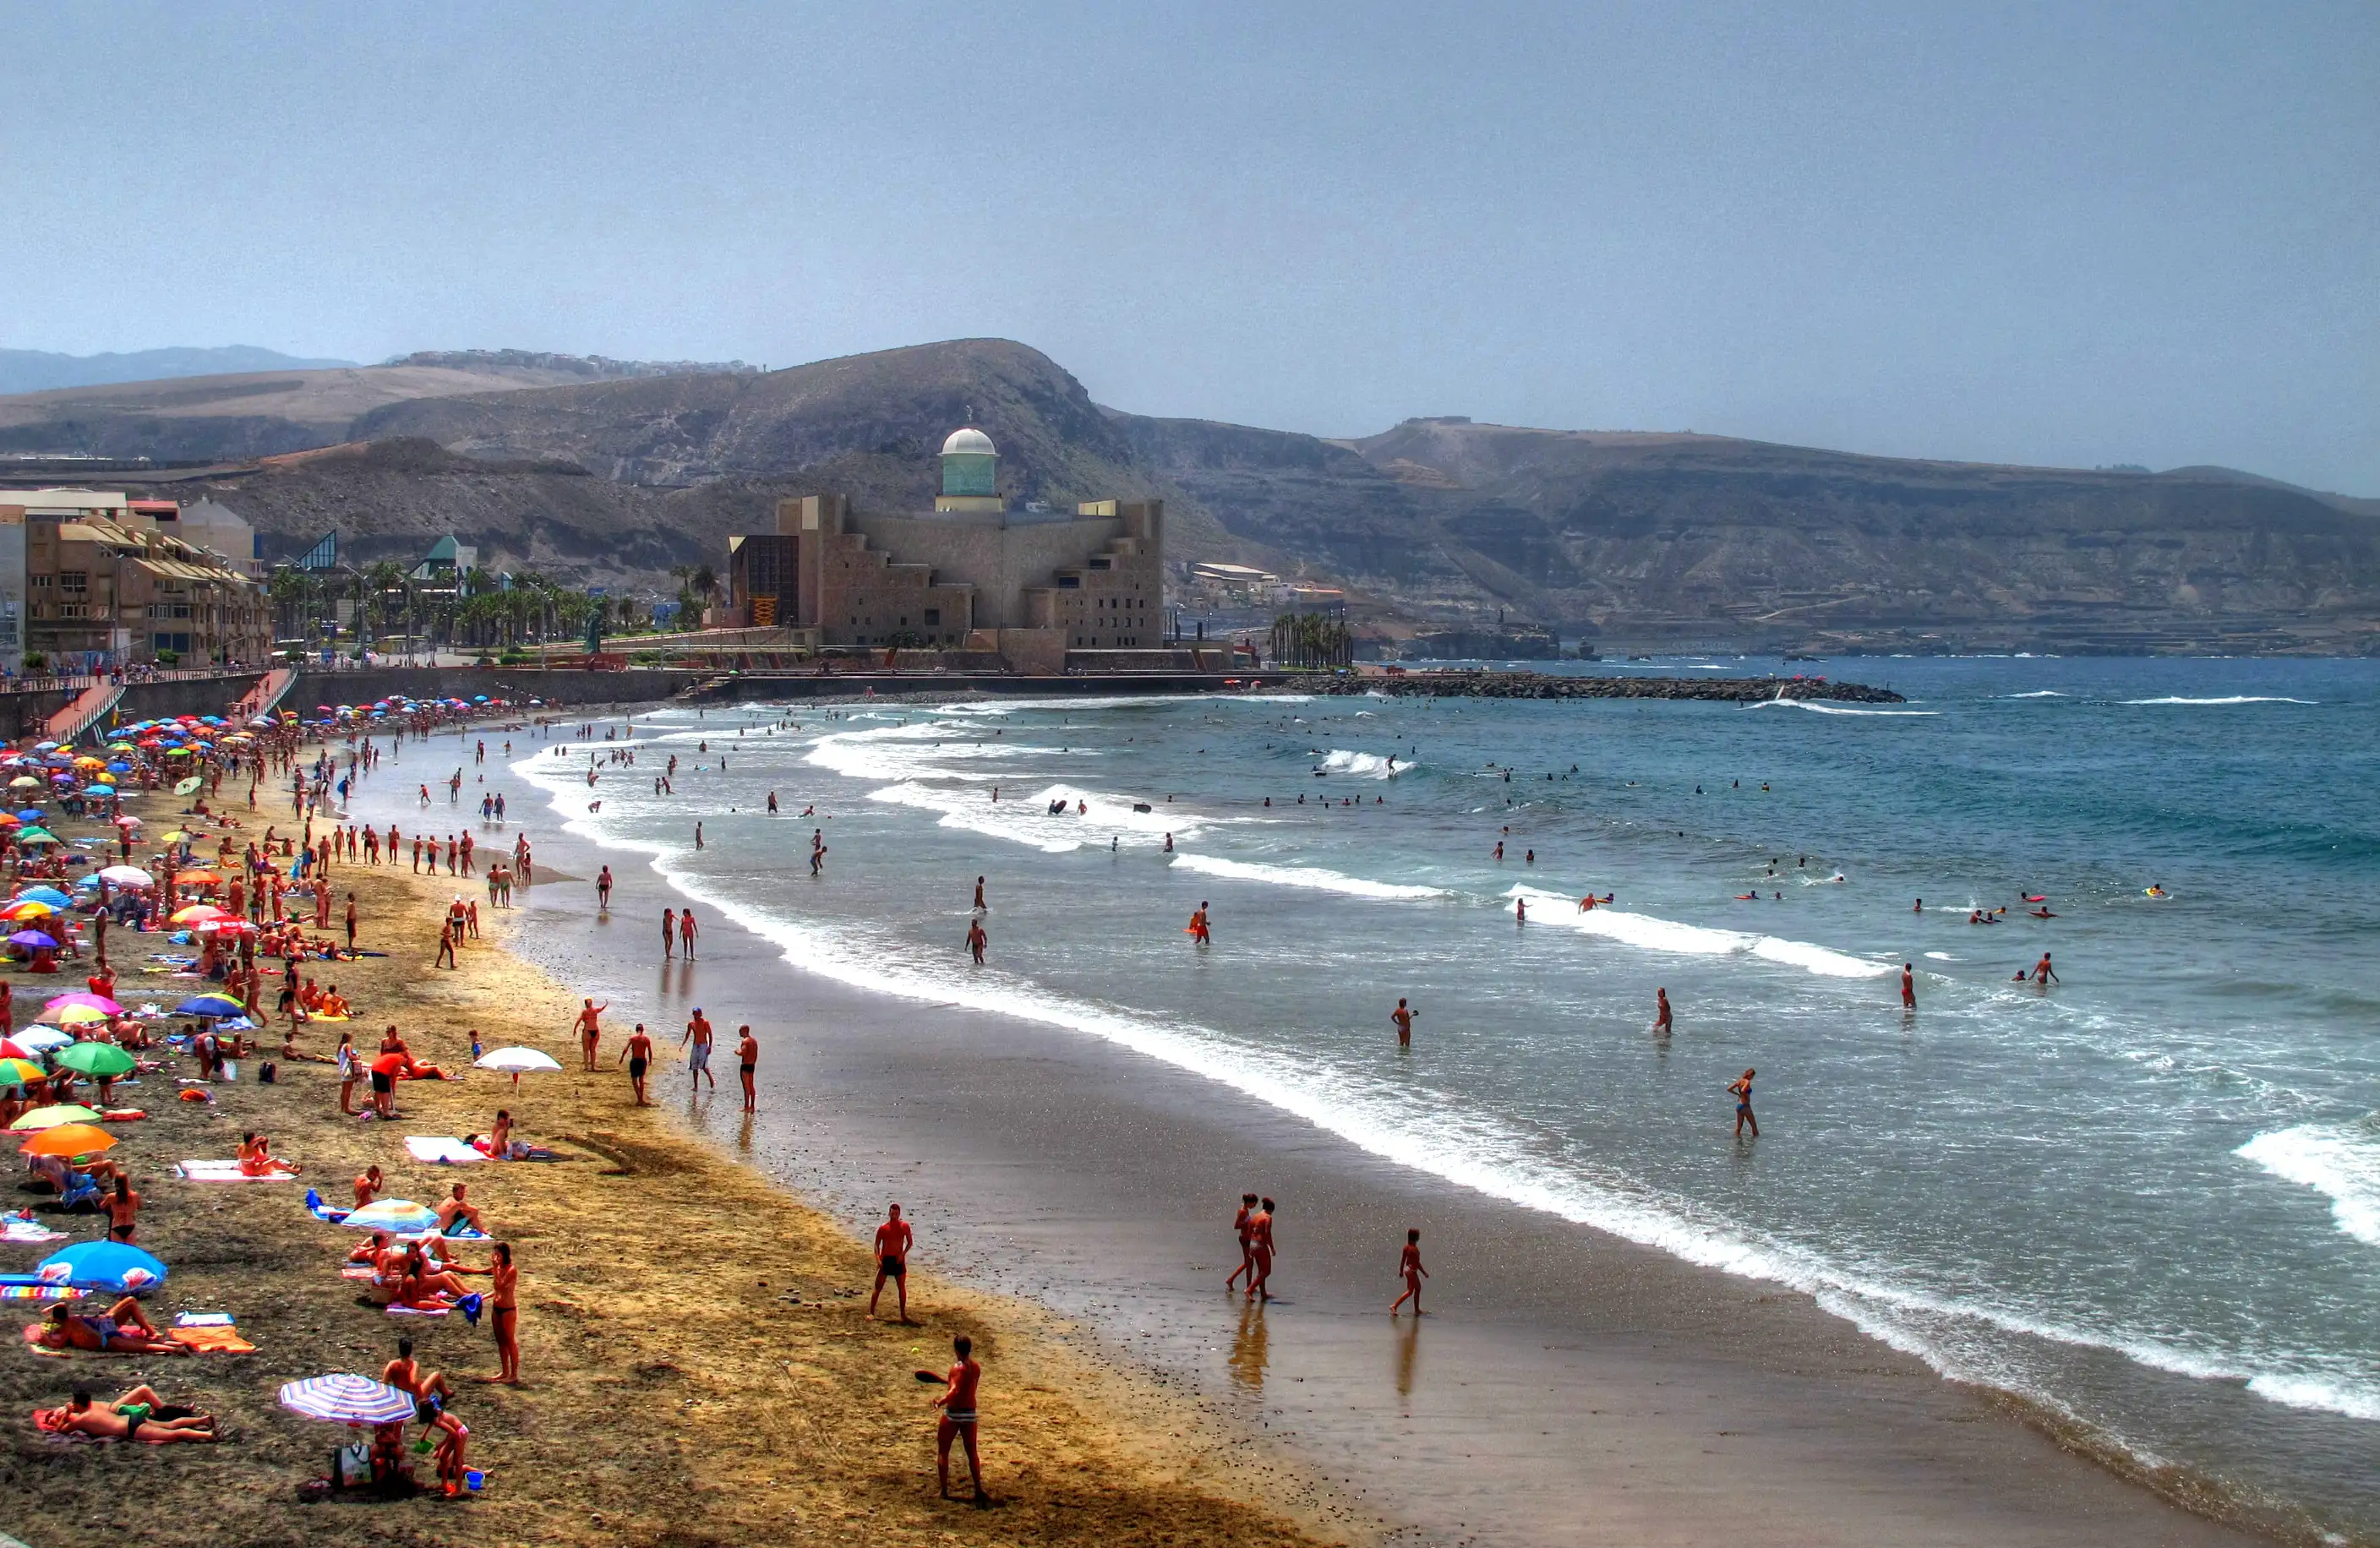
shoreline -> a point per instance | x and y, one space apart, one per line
1778 1354
673 1392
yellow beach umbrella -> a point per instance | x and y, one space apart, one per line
78 1015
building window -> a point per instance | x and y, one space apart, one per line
933 615
74 580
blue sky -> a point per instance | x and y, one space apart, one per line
2052 233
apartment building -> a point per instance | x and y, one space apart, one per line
108 582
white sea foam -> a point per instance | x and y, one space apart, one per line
1818 707
1313 876
1649 933
2340 1161
1420 1129
1016 822
1365 765
2036 694
933 749
2232 698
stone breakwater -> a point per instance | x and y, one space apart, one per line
1544 685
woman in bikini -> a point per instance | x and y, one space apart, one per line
122 1206
1742 1091
504 1313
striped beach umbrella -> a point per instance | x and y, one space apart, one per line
347 1399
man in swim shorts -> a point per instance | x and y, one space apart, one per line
893 1240
1908 987
958 1421
138 1415
638 1056
748 1058
1661 1025
697 1044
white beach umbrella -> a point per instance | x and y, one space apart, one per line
126 875
38 1037
516 1062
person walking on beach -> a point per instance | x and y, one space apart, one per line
1248 1242
1742 1091
669 934
697 1044
1260 1251
685 933
1908 987
445 945
1402 1015
603 891
976 940
748 1056
1662 1023
893 1240
958 1421
589 1028
1409 1266
638 1054
351 921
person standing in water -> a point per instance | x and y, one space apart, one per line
685 933
1409 1266
1260 1251
1402 1015
2042 973
747 1057
978 895
697 1043
1742 1091
1247 1232
1199 928
668 934
1662 1026
603 890
976 940
1908 987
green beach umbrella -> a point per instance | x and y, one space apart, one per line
187 787
97 1059
57 1113
18 1071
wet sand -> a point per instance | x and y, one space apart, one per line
1567 1388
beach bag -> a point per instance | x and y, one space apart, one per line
230 1069
265 1071
351 1466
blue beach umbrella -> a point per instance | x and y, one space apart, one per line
30 814
104 1265
49 895
209 1005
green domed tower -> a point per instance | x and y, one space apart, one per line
970 464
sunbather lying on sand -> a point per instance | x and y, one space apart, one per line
139 1415
125 1329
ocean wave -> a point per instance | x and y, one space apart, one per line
2036 694
967 812
1648 933
2340 1161
1421 1131
1365 765
1312 877
2230 698
934 749
1818 707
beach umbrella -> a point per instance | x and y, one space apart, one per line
177 836
196 878
209 1005
399 1215
30 814
128 822
77 1015
49 895
16 912
24 782
33 940
41 1039
97 1059
104 1265
69 1139
16 1072
227 928
119 766
126 875
198 913
189 786
516 1062
55 1115
345 1398
36 836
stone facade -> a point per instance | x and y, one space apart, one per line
972 575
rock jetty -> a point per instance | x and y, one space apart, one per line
1548 685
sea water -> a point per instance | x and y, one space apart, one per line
2146 1198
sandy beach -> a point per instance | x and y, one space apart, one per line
698 1364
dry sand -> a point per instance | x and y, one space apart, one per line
699 1368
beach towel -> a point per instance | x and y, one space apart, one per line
33 1342
221 1171
443 1152
363 1272
31 1232
38 1292
47 1421
203 1319
418 1310
322 1211
212 1340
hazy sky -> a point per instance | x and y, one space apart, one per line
2057 233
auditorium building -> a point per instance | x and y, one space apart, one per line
973 575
